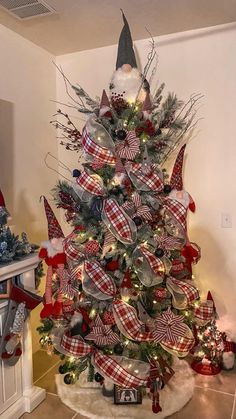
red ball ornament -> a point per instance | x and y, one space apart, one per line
112 266
91 247
108 318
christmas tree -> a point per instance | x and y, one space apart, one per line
11 246
122 280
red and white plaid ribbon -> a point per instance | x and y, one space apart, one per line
116 218
70 249
169 327
102 334
128 322
183 346
129 148
115 372
100 278
95 150
178 211
75 345
180 287
155 263
108 366
136 208
205 311
90 184
151 182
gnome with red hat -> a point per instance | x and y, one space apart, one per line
177 204
53 254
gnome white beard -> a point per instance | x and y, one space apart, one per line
128 82
53 246
181 196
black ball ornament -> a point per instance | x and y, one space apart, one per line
69 379
159 132
76 173
159 252
121 134
62 369
118 349
98 378
167 189
137 221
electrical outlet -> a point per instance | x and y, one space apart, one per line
226 220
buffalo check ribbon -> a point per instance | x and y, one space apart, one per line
98 152
185 289
205 312
155 263
149 181
99 277
70 249
178 211
118 220
75 345
90 184
115 372
107 365
136 208
182 347
128 322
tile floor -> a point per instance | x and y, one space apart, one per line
214 397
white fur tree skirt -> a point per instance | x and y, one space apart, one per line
87 399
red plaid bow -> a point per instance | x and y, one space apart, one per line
180 287
168 242
136 208
95 150
116 219
100 278
169 327
205 311
178 211
129 148
156 264
90 184
102 334
128 322
146 182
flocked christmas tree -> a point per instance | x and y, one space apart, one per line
122 280
11 246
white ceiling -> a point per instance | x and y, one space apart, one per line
86 24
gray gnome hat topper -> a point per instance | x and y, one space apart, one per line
125 48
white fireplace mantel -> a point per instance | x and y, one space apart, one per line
17 392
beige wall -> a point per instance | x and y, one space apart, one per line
27 84
196 61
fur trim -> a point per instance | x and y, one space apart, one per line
53 246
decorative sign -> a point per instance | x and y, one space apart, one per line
123 395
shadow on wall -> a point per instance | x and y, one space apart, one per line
212 272
7 152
